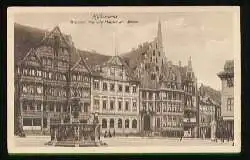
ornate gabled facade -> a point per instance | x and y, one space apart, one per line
168 104
115 97
46 81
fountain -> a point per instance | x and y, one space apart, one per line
75 133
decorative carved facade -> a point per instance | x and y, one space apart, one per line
46 81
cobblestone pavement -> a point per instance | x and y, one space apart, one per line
39 141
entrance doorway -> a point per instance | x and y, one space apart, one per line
146 123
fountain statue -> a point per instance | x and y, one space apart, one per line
74 133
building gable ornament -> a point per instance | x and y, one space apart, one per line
81 66
32 58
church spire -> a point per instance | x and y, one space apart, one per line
159 32
190 64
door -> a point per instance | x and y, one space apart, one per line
146 122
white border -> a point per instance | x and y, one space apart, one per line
168 149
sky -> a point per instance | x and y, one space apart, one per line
205 36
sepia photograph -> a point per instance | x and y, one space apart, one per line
124 80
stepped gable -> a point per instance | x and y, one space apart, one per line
135 56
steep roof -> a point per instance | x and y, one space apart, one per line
26 37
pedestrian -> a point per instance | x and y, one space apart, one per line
110 134
114 133
105 134
181 136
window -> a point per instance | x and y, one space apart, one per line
174 96
27 122
112 87
134 89
119 123
119 105
134 123
126 105
127 89
39 73
144 95
104 123
105 87
104 103
24 89
85 107
112 71
134 106
152 76
111 123
39 90
39 106
230 103
144 106
126 123
169 95
230 82
96 104
58 108
158 108
158 123
25 106
153 52
96 85
36 122
150 95
120 88
51 107
111 105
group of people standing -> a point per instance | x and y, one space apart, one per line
108 134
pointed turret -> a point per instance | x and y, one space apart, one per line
190 64
159 33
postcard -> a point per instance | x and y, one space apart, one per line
124 80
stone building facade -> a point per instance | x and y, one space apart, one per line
168 92
227 98
115 97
